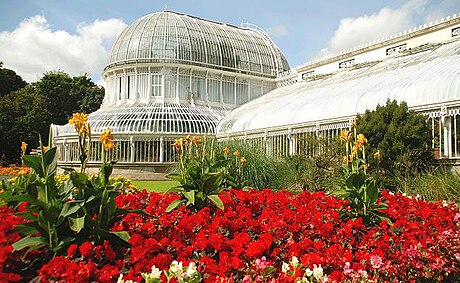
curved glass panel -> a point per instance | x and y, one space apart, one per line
153 118
172 37
421 79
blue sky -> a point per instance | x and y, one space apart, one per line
37 36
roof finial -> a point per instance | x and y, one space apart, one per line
165 8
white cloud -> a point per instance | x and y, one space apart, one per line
33 48
355 31
278 31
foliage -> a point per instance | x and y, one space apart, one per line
257 234
23 116
434 185
78 208
313 172
402 136
31 110
260 171
357 186
65 95
10 81
202 174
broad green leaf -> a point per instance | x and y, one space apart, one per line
33 162
190 196
28 242
27 229
76 224
174 204
217 201
70 208
174 189
27 215
50 157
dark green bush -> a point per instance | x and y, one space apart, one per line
402 137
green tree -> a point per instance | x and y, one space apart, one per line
51 100
23 115
9 81
65 95
402 137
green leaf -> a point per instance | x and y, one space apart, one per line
27 215
50 157
27 229
70 208
217 201
190 195
33 162
76 224
175 177
174 204
28 242
174 189
122 235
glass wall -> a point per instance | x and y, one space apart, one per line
220 91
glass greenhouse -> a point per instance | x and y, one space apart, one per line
427 78
170 74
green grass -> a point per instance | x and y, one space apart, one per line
155 186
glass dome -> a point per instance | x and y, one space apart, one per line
169 37
153 118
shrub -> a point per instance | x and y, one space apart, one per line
402 136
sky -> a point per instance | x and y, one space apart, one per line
75 36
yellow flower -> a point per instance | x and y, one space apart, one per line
344 135
226 151
196 140
178 144
23 147
377 155
79 120
243 160
106 139
345 159
236 153
361 140
106 136
188 140
366 166
109 145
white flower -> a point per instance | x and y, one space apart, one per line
156 272
176 267
120 280
191 269
308 272
317 271
294 261
285 267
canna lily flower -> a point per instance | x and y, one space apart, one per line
23 147
106 139
361 140
344 135
236 153
243 160
377 155
188 140
178 144
226 151
79 120
196 140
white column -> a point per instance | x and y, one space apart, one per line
161 150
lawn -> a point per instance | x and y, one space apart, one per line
155 186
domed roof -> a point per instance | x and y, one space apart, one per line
169 37
153 118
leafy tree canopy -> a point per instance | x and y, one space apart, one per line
9 81
51 100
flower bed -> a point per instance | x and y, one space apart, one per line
255 231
